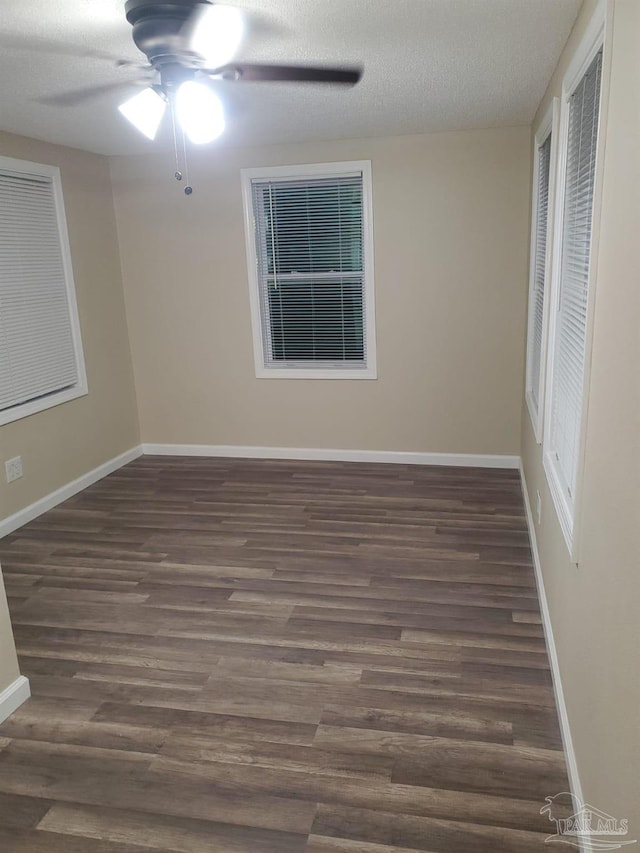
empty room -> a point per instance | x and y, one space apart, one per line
319 426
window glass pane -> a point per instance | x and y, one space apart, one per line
316 320
540 272
571 308
314 227
37 352
309 241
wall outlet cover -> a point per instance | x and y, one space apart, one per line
13 468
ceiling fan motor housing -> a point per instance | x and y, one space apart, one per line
156 28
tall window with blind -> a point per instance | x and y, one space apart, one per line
311 270
569 325
41 362
539 269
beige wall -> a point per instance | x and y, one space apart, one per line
62 443
451 221
8 661
595 605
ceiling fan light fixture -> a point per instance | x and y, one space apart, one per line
199 112
145 111
216 34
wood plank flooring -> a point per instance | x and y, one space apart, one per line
241 656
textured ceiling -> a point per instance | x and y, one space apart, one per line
430 65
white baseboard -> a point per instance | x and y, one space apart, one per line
398 457
472 460
13 522
14 695
565 730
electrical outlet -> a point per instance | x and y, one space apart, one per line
538 507
13 468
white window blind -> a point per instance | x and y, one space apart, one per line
37 351
568 357
310 261
539 274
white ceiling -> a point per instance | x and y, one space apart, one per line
430 65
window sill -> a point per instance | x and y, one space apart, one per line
32 407
562 508
315 373
534 416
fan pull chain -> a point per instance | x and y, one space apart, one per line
178 174
188 189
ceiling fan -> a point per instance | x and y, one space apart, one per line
189 44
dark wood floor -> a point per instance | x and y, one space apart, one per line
233 656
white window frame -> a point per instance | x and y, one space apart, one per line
548 127
80 388
341 169
594 39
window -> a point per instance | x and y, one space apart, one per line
310 256
41 362
540 244
569 321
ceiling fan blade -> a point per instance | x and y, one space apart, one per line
256 73
17 42
78 96
213 32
